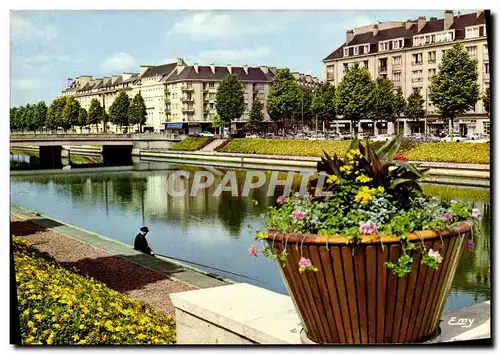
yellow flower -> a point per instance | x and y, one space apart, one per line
363 179
141 336
82 341
50 340
76 337
380 189
364 195
29 340
333 179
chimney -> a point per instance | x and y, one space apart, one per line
195 66
70 80
212 67
264 69
375 30
229 68
180 61
245 68
420 23
143 69
408 24
478 13
180 66
349 35
448 19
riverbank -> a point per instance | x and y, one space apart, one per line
144 278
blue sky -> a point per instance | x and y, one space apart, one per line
47 47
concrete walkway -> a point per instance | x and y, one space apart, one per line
168 267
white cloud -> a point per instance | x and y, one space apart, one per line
27 83
230 56
22 29
119 62
214 25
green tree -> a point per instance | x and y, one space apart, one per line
13 118
414 108
70 113
218 123
399 105
285 97
82 118
40 115
29 117
138 114
256 116
229 100
119 110
96 113
323 103
384 100
454 89
354 97
486 100
55 113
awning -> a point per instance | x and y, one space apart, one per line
174 125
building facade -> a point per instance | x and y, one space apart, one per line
180 97
409 53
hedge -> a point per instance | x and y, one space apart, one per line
414 151
191 143
62 306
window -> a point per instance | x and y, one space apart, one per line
432 72
486 128
366 48
444 52
346 66
416 76
346 52
397 44
396 61
432 57
365 64
472 51
211 84
449 36
383 46
211 96
356 50
486 68
417 59
396 77
485 52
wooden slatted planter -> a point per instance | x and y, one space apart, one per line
354 298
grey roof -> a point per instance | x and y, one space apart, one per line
205 73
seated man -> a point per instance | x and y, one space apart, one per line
141 244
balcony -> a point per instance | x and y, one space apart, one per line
382 69
330 76
187 109
432 61
417 79
187 88
187 99
417 62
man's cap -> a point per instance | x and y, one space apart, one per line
144 229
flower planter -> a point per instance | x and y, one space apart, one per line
354 298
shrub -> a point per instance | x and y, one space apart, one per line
192 143
450 152
62 306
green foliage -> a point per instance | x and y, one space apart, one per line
450 152
454 89
323 103
399 102
40 115
119 110
354 96
486 100
384 100
415 107
63 306
96 112
217 122
229 100
138 113
305 104
55 113
70 113
191 143
285 96
256 116
82 117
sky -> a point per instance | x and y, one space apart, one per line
48 47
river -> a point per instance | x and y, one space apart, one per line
205 229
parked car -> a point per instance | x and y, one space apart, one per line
317 137
456 138
364 136
251 135
207 134
382 137
345 136
478 139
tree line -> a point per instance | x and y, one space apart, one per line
453 91
66 113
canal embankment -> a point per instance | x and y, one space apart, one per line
118 265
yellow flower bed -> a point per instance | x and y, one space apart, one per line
414 151
191 143
60 306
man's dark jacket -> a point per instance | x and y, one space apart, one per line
141 244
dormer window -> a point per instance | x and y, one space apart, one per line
366 48
346 52
356 50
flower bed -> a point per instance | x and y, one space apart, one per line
192 143
415 151
62 306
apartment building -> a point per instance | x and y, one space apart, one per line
190 92
409 53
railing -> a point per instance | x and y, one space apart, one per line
382 69
417 79
187 99
417 62
432 61
187 88
396 66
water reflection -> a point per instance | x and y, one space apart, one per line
210 229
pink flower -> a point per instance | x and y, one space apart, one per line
281 200
446 217
476 214
252 251
367 228
435 255
305 262
470 244
298 215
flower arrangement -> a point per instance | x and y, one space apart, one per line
61 306
366 193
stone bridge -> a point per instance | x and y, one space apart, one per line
115 147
